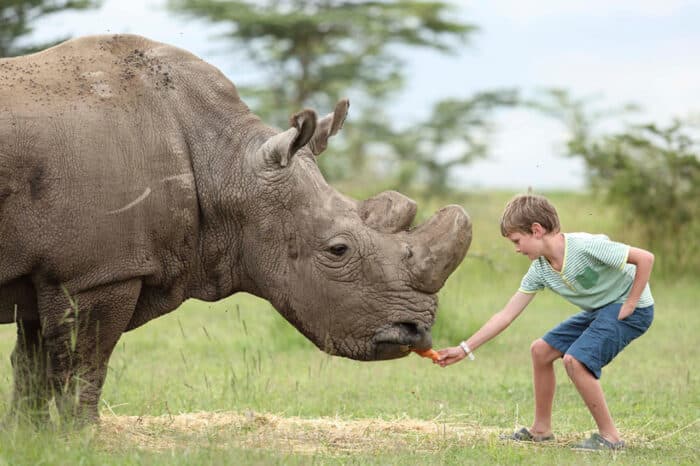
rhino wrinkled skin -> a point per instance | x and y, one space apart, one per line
132 177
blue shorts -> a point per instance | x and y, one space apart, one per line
595 337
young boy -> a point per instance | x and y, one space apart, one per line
608 280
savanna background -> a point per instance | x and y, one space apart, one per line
590 104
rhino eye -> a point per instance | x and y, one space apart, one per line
338 249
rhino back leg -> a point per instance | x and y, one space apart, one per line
31 389
29 362
79 332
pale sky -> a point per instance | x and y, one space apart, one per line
641 51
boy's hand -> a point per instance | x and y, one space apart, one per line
450 355
626 310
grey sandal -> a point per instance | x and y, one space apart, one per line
596 442
524 435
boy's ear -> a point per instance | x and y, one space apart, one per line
537 230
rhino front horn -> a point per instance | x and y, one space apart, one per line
438 246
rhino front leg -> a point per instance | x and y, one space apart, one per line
80 333
29 362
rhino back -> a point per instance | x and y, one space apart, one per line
96 175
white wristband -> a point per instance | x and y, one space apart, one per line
467 351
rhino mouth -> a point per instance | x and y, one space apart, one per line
398 339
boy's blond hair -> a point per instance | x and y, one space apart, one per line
524 210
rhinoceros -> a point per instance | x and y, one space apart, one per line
133 177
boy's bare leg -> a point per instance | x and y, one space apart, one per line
592 393
544 379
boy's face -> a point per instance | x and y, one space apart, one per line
528 244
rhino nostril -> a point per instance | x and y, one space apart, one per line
414 334
405 333
408 328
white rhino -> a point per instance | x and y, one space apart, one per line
132 177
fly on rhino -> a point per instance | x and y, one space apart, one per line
133 177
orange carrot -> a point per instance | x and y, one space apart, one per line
429 353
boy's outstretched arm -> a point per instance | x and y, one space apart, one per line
644 260
495 325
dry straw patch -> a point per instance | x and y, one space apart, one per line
287 434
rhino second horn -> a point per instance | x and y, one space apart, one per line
388 212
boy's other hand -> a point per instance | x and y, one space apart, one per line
449 356
626 310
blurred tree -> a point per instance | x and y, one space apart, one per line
455 134
315 51
650 172
17 16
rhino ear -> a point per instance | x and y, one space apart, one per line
328 126
305 123
282 147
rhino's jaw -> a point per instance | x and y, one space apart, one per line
391 341
398 339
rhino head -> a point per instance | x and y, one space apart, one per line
352 276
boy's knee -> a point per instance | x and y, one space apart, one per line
542 352
570 363
577 370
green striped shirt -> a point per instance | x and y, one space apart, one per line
594 273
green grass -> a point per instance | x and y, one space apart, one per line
239 355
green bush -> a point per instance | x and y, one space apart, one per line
652 176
